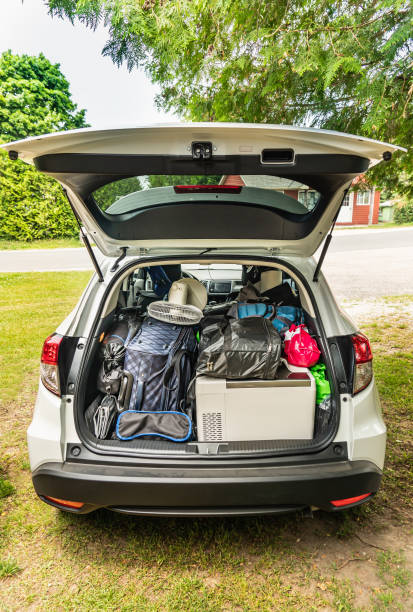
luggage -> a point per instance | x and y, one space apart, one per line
323 397
240 348
111 376
110 372
285 315
280 316
172 426
300 348
281 295
160 357
322 384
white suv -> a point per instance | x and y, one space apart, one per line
275 195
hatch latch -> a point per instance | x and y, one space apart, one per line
201 150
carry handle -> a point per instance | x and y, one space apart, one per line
175 367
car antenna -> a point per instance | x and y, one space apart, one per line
86 240
327 242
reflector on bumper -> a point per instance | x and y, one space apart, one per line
339 503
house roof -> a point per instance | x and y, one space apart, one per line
271 182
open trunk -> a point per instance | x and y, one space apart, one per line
241 193
278 415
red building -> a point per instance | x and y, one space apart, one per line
358 208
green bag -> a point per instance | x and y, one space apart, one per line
322 385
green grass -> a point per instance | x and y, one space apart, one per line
8 567
6 488
375 226
53 243
31 307
109 562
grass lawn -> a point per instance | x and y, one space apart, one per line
375 226
356 560
53 243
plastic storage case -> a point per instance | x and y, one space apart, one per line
238 410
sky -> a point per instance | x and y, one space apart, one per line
112 96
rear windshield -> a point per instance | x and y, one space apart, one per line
135 193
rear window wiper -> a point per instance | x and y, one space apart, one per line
207 250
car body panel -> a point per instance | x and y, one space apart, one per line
204 489
228 138
83 160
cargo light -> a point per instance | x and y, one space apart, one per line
339 503
64 502
208 188
49 366
363 368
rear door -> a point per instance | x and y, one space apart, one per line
277 188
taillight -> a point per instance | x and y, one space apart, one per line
49 367
340 503
207 188
363 367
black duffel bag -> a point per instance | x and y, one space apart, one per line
240 348
161 425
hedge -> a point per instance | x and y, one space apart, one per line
32 206
404 214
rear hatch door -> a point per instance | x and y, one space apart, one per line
280 187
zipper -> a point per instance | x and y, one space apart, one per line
266 322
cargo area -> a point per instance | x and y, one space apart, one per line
206 358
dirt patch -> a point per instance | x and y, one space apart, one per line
367 311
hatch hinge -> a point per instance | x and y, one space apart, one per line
143 251
273 251
119 259
86 240
327 242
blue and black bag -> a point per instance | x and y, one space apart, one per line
282 317
161 358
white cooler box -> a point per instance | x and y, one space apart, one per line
237 410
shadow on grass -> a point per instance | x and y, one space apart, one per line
209 544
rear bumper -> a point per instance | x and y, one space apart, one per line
205 491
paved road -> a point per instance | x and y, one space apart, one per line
359 263
370 263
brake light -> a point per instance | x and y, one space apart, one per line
208 188
339 503
66 503
49 366
363 367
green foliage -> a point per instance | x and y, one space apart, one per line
108 194
343 65
34 99
404 214
8 567
32 206
6 488
157 180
